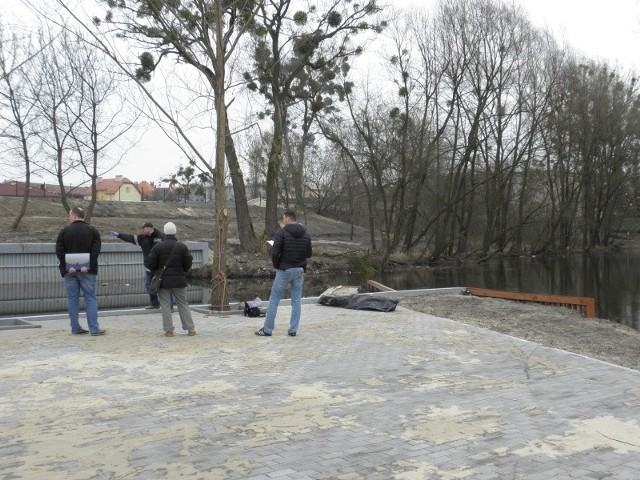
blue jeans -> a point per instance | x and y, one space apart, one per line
85 283
292 278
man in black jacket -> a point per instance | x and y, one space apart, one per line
289 254
146 242
80 273
176 259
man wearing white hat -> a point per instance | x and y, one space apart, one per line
174 259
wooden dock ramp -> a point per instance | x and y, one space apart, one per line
585 305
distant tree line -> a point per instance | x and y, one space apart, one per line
496 141
476 134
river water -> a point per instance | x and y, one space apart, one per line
612 278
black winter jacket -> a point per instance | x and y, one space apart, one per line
78 237
291 247
179 263
146 243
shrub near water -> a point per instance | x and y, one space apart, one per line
360 266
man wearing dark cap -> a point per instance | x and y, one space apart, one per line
146 241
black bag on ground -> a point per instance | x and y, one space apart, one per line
252 311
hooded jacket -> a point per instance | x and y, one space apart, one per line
291 247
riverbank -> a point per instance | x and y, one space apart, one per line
335 244
555 327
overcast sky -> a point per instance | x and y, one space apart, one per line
608 29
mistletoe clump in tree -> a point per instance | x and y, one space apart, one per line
296 59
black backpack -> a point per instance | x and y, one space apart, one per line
252 311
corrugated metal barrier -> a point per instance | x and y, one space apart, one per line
30 281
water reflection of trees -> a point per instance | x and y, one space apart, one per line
611 278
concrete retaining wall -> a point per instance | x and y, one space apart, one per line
30 280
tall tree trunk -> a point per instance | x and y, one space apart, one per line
64 197
23 204
27 180
296 167
246 232
219 294
273 170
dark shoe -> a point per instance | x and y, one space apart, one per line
291 334
191 333
262 333
152 307
81 332
99 332
168 333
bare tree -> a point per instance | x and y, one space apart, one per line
287 44
420 115
202 35
17 108
58 105
592 140
104 118
355 138
82 109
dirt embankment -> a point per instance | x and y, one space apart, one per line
334 243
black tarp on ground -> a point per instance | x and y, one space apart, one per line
359 302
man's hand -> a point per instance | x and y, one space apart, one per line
114 234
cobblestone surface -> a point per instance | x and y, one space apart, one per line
356 395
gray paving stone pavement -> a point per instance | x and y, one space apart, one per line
356 395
